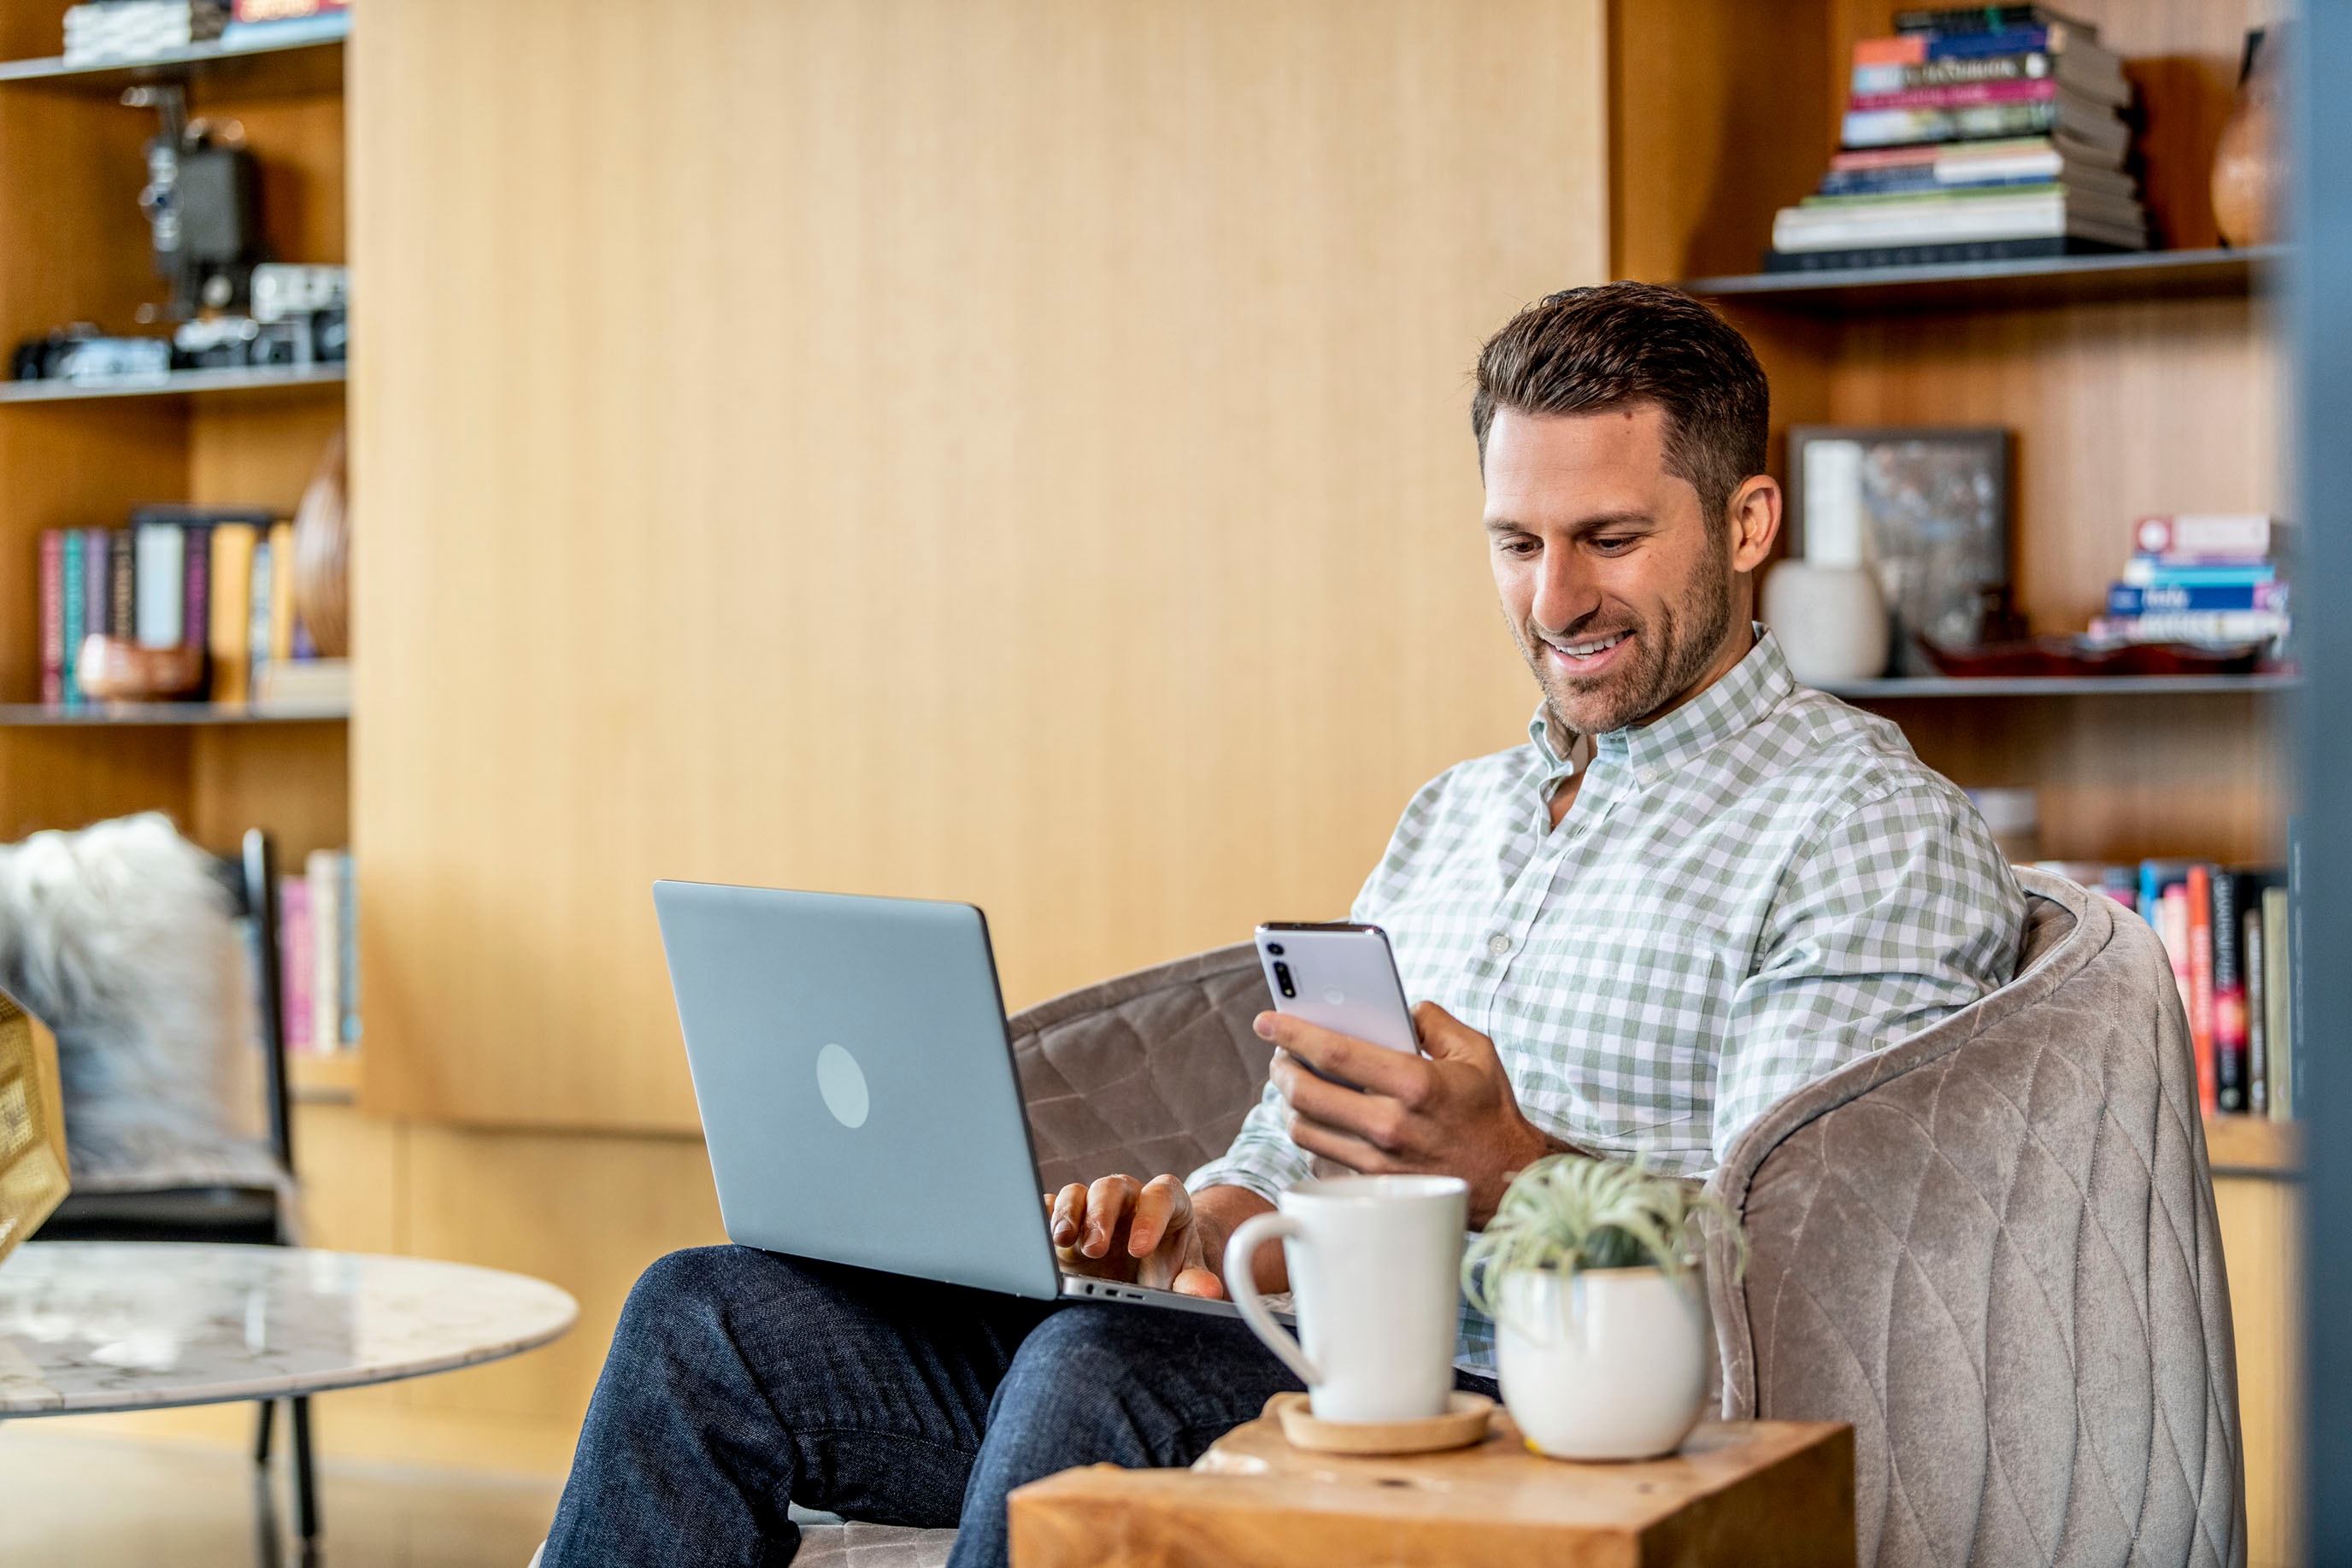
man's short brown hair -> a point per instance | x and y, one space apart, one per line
1583 351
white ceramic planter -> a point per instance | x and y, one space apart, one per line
1831 620
1605 1364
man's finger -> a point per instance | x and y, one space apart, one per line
1447 1038
1358 1061
1346 1148
1107 1205
1069 1213
1374 1118
1163 1205
1199 1283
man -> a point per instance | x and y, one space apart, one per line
1696 888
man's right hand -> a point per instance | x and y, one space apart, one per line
1147 1233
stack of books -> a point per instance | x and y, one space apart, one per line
275 23
218 579
318 955
1981 133
2231 936
2210 578
134 29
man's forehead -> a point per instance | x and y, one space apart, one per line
1612 459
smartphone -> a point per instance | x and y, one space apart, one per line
1341 977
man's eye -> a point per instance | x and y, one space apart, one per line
1611 544
1521 547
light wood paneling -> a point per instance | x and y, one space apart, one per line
2261 1238
1011 452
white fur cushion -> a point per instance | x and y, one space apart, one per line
121 938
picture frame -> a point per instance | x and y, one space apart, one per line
1934 525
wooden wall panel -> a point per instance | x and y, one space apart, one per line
1011 452
2262 1226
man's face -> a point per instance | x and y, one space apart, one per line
1620 590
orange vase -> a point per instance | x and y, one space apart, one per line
2249 169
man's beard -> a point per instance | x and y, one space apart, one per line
1670 653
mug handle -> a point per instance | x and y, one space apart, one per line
1241 1284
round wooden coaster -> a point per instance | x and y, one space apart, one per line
1464 1423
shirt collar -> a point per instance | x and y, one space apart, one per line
1751 689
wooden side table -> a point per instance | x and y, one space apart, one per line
1763 1494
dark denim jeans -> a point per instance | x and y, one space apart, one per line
740 1381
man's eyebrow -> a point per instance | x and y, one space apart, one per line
1583 524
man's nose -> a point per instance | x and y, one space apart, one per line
1566 592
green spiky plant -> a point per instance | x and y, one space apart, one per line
1567 1212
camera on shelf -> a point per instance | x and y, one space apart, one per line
83 355
299 319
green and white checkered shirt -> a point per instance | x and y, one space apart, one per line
1759 887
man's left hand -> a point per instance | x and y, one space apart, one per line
1450 1112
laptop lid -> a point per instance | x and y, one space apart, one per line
856 1085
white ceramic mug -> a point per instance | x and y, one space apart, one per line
1375 1279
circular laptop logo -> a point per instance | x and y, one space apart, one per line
842 1083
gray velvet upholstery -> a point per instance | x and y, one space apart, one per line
1993 1250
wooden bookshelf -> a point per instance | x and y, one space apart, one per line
2212 272
22 715
308 60
2253 1146
179 383
1910 687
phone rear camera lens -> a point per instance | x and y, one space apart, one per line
1282 979
1275 948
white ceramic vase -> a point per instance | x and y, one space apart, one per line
1831 620
1604 1363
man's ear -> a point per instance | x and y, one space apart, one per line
1755 520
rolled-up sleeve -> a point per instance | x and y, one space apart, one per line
1261 1157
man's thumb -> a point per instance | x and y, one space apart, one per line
1444 1038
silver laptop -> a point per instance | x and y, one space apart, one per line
857 1089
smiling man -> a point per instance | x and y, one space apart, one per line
1696 888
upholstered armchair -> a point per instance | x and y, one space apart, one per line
1992 1249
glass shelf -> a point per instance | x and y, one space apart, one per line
1969 285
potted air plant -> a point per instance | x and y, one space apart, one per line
1590 1269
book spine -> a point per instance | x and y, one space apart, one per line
1902 127
261 583
2193 626
281 593
98 582
326 952
2158 599
2258 1033
296 962
53 617
1957 95
162 590
2244 535
73 595
123 589
1855 257
347 927
2278 992
2163 571
2200 911
230 586
1906 75
2228 1004
195 588
1916 180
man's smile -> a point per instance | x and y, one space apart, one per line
1587 655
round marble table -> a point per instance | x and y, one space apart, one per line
88 1325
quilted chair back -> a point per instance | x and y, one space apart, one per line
1992 1249
1148 1072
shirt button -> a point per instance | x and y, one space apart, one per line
1649 774
1499 943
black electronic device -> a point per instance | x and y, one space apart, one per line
203 202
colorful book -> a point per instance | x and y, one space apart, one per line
1958 95
262 582
2155 571
2200 912
53 617
96 581
2186 537
2036 213
2278 998
2124 598
1854 258
230 602
123 569
326 952
297 963
2223 626
2258 1057
347 933
162 552
2228 1004
73 594
2095 125
1964 20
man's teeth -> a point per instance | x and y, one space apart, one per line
1586 650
